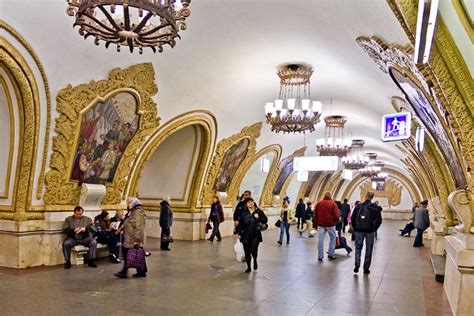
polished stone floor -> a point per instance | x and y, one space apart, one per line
203 278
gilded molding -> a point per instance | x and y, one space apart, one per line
314 193
251 133
267 195
275 149
392 191
138 80
26 90
11 149
38 63
202 118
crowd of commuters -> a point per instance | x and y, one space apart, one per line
327 217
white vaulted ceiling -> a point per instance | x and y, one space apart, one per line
226 61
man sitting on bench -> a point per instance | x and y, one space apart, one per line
79 230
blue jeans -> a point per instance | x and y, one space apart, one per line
369 243
285 226
419 238
332 241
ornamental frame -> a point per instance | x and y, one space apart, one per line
138 80
251 133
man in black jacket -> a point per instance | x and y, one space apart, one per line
366 219
300 213
345 209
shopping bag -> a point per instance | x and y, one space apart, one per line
239 251
136 258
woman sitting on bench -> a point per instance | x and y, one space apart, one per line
106 234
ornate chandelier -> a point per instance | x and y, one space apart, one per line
132 23
335 143
292 111
356 160
373 166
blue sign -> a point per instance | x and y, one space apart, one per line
396 126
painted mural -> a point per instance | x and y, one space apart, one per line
424 110
106 129
232 160
284 174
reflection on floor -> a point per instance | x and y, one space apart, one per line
203 278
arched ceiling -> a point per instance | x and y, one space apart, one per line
226 61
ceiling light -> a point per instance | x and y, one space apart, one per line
335 143
132 23
356 160
425 27
293 111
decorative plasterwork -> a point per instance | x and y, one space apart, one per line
201 118
275 149
138 80
459 203
452 82
392 191
267 195
251 133
26 89
30 50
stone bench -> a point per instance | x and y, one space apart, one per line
79 251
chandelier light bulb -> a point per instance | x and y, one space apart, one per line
279 104
305 104
317 106
291 104
269 109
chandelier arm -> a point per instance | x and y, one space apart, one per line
142 23
155 37
97 33
109 17
126 16
130 44
170 23
99 23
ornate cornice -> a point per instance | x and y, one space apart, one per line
251 133
267 195
138 80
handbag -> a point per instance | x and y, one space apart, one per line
208 227
278 223
136 259
167 238
261 227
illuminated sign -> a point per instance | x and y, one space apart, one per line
396 126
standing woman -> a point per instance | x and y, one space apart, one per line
286 215
216 217
254 221
166 220
133 237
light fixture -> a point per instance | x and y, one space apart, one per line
373 166
132 23
293 112
356 160
420 139
425 27
316 163
334 143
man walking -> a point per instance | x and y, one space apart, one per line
345 210
422 222
366 219
326 215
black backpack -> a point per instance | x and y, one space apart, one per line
364 219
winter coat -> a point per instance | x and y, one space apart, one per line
166 215
249 232
134 228
219 212
374 213
308 214
326 213
300 209
70 223
421 218
289 215
345 210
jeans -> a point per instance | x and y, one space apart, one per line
419 238
285 226
369 243
332 241
71 242
215 230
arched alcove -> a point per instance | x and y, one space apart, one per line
170 170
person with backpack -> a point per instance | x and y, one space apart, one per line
366 219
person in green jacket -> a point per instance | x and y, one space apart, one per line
80 231
286 215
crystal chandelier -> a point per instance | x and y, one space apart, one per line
292 112
132 23
356 160
335 143
373 166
